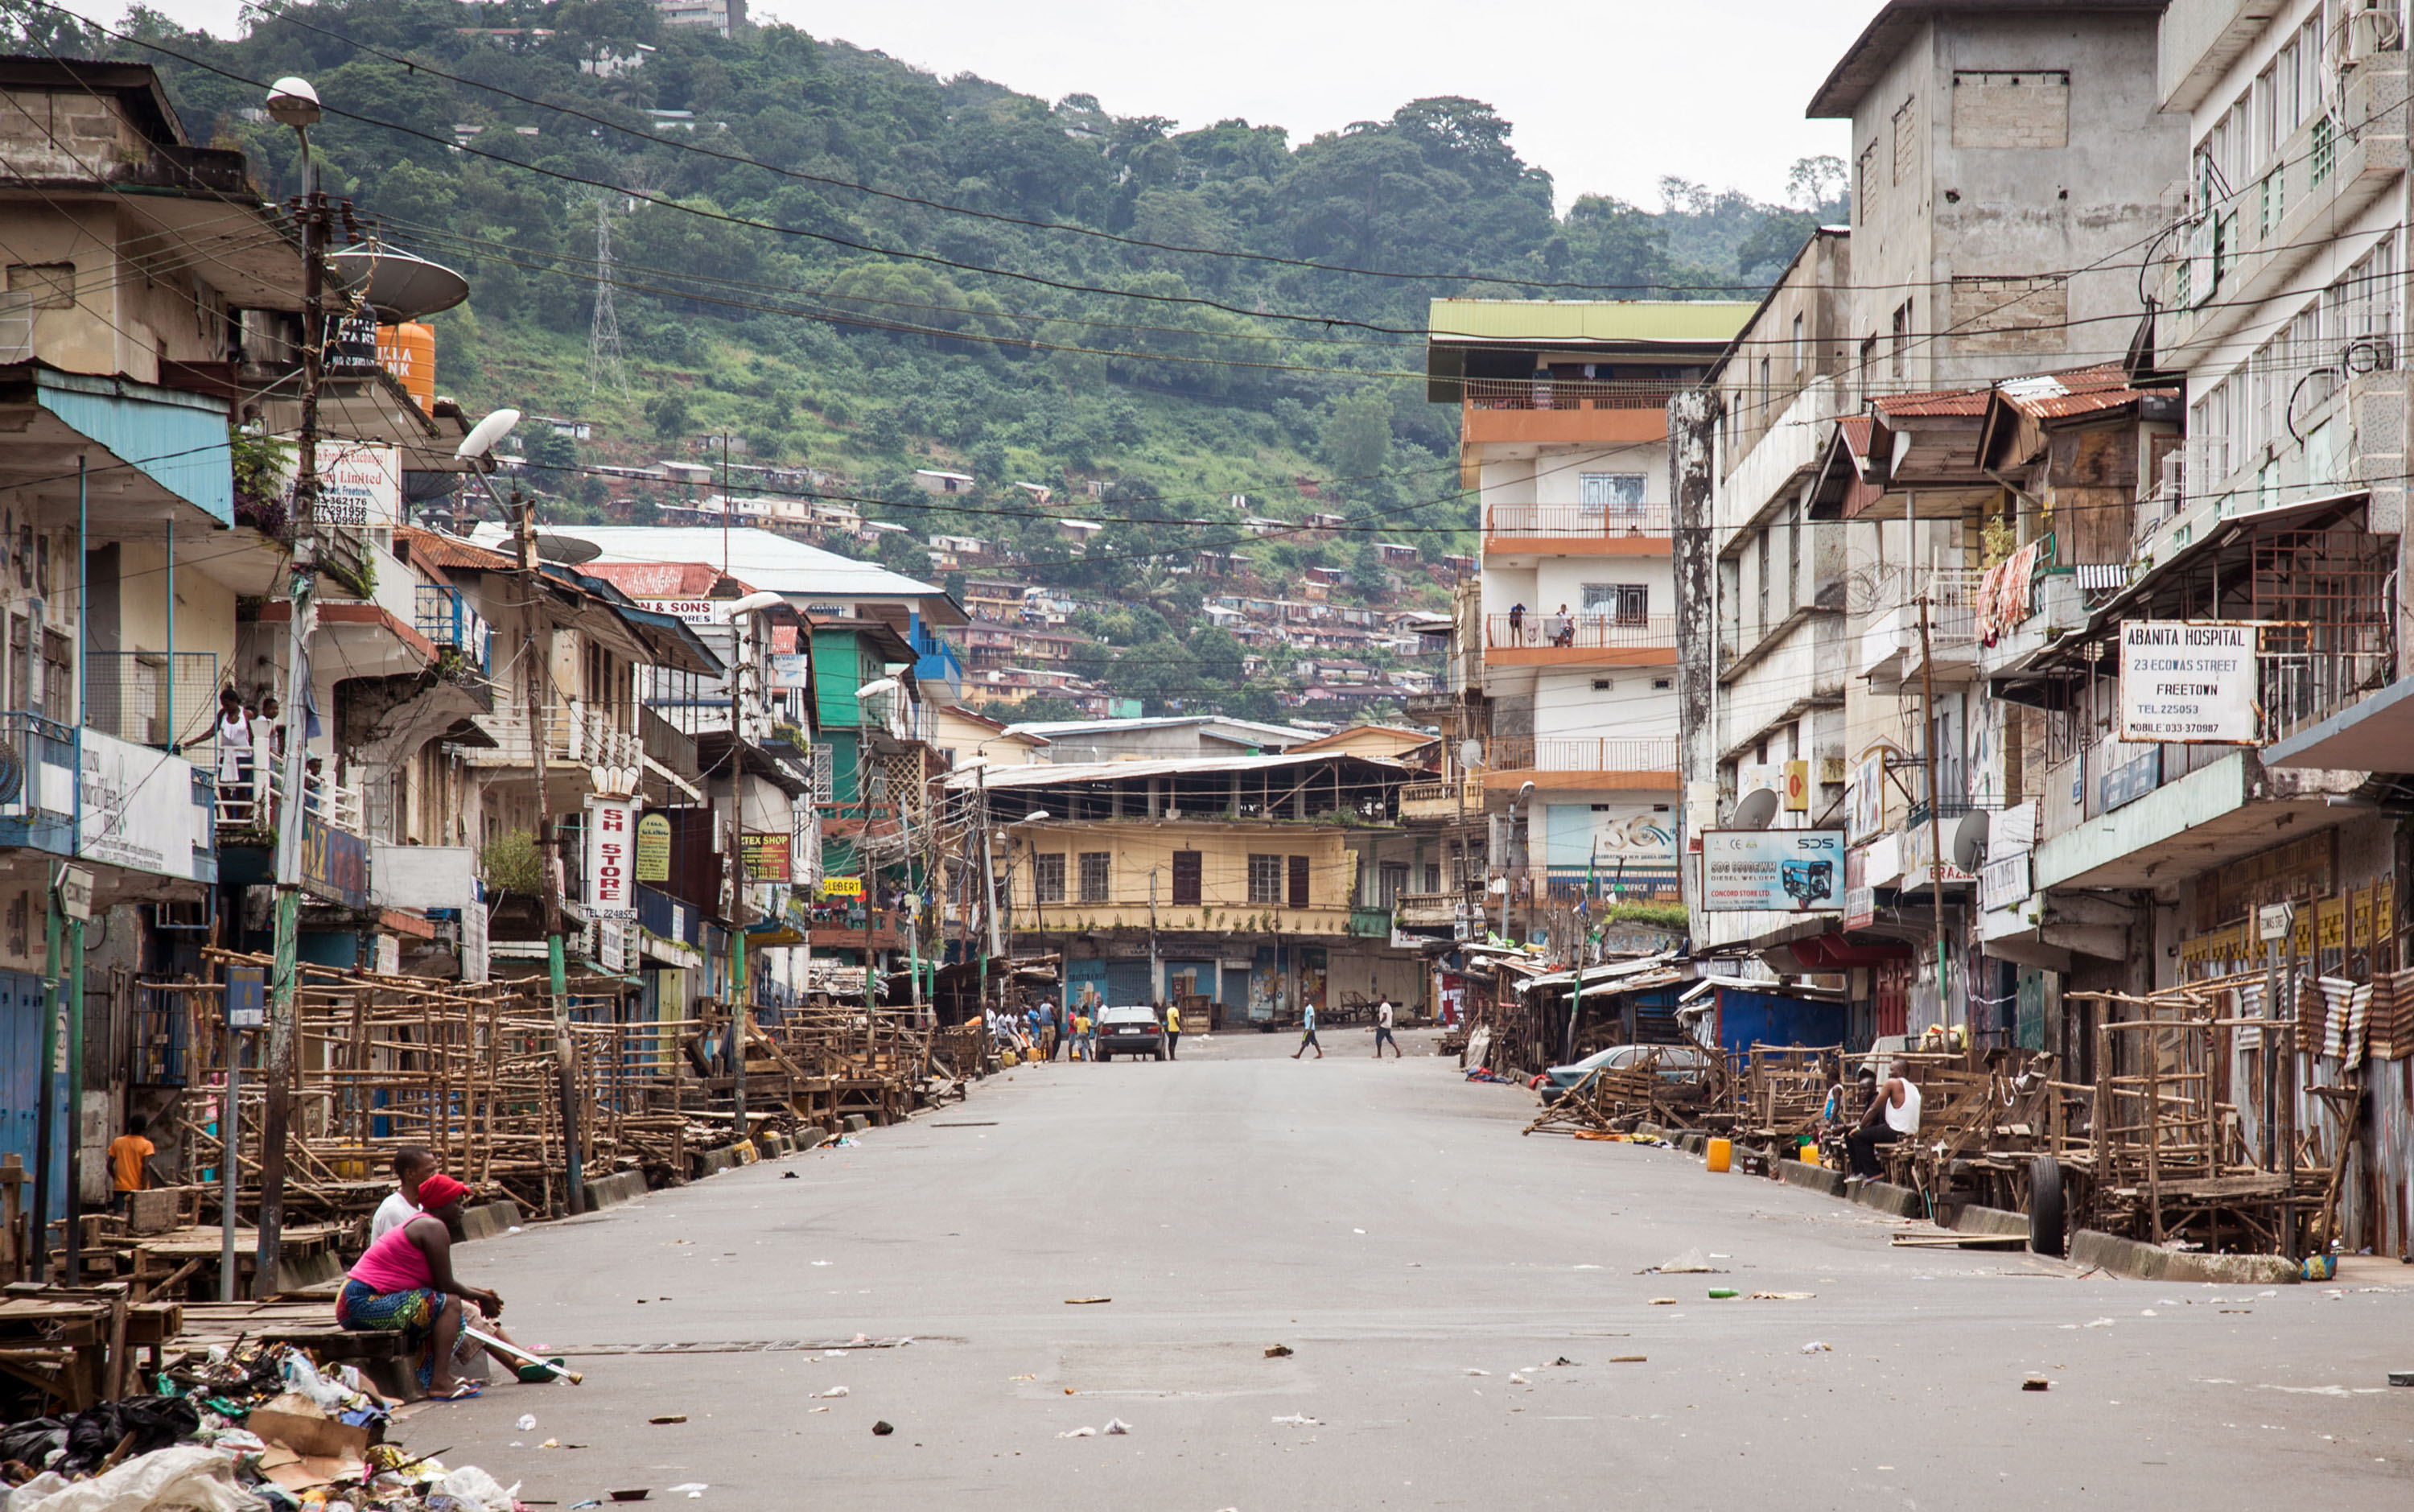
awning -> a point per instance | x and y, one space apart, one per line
149 453
2375 735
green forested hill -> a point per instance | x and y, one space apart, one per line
856 265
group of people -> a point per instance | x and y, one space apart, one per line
1560 628
1307 1040
404 1283
1042 1031
242 725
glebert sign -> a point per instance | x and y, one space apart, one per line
2190 682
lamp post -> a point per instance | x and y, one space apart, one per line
1525 796
293 104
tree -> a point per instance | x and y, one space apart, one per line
1357 435
668 411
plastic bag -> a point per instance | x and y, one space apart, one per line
189 1477
304 1377
473 1487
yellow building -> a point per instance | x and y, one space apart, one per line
1243 887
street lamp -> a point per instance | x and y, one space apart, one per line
746 608
1524 794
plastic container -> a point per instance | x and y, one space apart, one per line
1720 1154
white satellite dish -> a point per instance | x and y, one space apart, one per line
1470 751
1970 841
481 438
1757 809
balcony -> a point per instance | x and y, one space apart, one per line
37 783
577 735
243 805
451 624
1598 761
137 696
1524 410
1588 639
1890 647
1576 530
1445 800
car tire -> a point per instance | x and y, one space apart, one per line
1105 1055
2046 1215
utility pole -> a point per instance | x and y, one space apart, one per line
1935 815
988 878
299 109
1156 968
537 674
737 987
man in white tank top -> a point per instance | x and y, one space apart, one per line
1893 1115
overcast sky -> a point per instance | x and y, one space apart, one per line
1608 95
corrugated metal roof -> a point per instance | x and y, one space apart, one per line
449 553
1586 319
659 579
1097 772
763 558
1935 404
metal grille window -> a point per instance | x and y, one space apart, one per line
824 774
1265 879
1612 493
1048 878
1093 875
1391 880
2322 160
1626 603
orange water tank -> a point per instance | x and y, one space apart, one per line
408 352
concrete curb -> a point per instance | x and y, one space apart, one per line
487 1219
613 1190
1969 1217
2139 1261
1903 1201
1818 1178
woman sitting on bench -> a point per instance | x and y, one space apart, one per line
404 1285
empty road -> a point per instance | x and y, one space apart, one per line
1455 1298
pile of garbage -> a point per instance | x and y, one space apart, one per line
263 1429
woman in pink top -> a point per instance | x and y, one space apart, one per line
404 1285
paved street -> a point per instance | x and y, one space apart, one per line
1389 1224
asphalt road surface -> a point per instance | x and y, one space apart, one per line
1456 1299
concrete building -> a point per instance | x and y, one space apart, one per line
723 16
1563 430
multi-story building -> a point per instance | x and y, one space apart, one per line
2010 167
1247 886
1563 429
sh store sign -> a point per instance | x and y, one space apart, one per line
611 862
2190 682
1793 871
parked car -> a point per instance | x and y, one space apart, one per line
1678 1063
1130 1031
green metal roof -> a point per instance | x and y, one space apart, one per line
1712 321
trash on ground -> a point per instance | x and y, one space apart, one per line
1297 1421
2100 1322
1691 1263
1275 1351
1663 1302
1078 1434
2036 1383
1721 1294
1115 1426
527 1422
834 1391
1515 1380
1815 1347
1472 1371
883 1429
2401 1378
669 1418
1086 1301
1780 1297
1629 1359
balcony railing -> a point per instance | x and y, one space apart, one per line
2302 688
243 803
137 696
1582 753
37 769
575 734
1579 520
1442 799
1592 630
1571 393
450 622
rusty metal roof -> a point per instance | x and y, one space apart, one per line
449 553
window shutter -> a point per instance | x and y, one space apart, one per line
1298 881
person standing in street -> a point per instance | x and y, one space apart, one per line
1383 1031
1173 1032
1307 1034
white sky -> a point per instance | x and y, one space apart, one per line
1608 96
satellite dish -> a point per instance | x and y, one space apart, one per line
1470 751
401 286
491 430
569 550
1757 809
1970 841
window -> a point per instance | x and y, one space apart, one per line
1865 184
1391 880
1767 387
1048 878
1792 557
1265 879
1900 361
1185 879
1612 493
1298 881
51 284
1627 603
1094 877
1662 685
1433 877
1602 684
824 774
1801 355
1906 142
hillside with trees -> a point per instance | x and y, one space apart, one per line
854 266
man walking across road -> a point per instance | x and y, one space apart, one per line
1383 1031
1173 1031
1307 1034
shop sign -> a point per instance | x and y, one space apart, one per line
765 853
2190 682
654 847
1790 871
611 891
841 887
